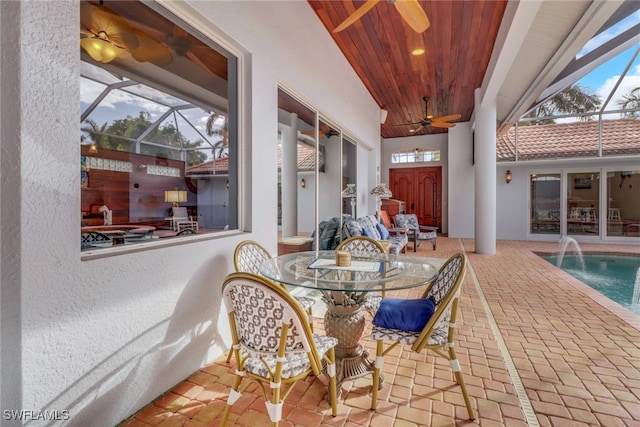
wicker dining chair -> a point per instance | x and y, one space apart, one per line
247 258
361 244
365 244
273 344
438 332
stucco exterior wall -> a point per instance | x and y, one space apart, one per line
101 338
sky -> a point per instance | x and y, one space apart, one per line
603 79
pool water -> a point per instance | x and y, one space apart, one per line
615 276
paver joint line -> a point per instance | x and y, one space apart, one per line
525 403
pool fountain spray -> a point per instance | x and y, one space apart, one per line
565 241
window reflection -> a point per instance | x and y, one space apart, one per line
158 132
583 201
545 204
623 209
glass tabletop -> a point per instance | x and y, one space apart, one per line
367 272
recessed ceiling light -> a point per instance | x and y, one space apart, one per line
417 51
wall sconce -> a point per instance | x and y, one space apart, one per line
508 176
303 183
93 148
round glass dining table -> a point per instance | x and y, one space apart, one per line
346 290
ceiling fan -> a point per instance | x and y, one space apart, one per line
410 10
325 132
438 122
184 44
105 36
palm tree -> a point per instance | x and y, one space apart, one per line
575 99
220 148
630 101
94 132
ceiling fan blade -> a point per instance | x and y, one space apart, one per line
442 124
98 19
150 50
413 14
447 118
356 15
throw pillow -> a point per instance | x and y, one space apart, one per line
384 233
368 233
404 314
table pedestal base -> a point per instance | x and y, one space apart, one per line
346 323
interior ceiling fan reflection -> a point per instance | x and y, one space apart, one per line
105 36
410 10
430 121
325 132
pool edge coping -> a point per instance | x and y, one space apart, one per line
616 309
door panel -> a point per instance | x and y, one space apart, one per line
421 189
401 186
429 196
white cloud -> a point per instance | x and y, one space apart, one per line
630 82
610 33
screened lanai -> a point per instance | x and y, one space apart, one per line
578 142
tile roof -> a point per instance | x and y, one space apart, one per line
221 166
306 162
575 139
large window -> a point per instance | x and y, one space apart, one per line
159 121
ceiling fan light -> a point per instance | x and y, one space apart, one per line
100 50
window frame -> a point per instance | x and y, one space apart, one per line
238 78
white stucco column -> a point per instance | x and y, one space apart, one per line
289 178
485 174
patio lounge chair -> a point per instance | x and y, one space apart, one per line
417 232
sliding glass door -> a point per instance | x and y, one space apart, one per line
315 164
588 206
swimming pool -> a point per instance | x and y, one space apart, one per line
615 276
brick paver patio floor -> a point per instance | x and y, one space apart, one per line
537 347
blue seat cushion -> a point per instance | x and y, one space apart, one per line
404 314
384 233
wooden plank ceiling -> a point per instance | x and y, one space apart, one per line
458 45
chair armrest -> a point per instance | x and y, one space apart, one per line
398 230
428 228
